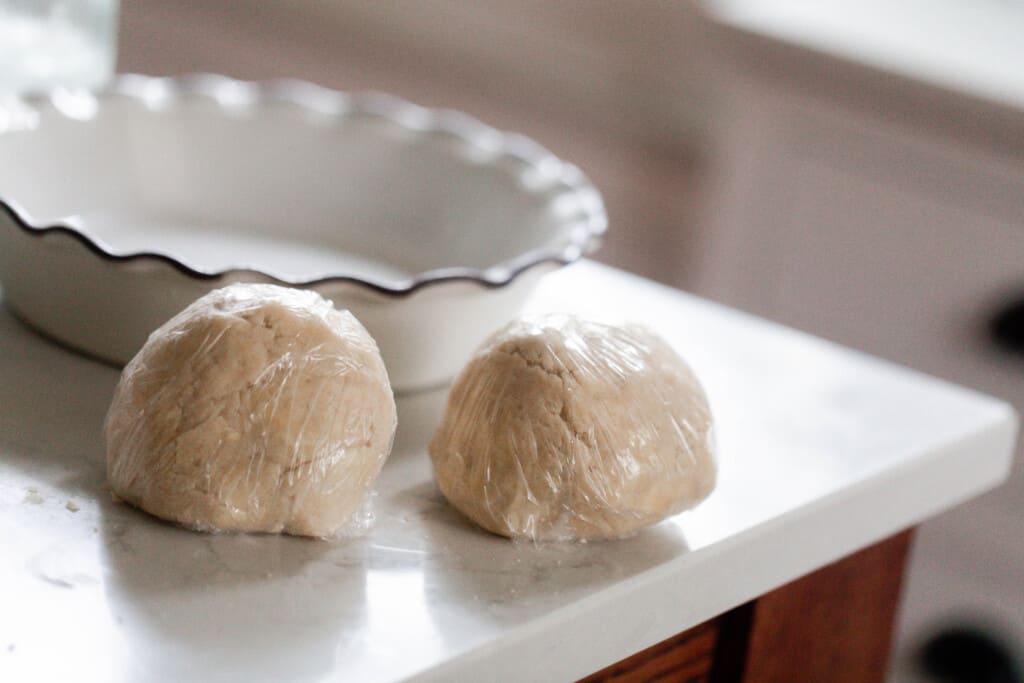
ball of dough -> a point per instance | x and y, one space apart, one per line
257 408
562 429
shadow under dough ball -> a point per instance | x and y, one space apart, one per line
257 408
561 429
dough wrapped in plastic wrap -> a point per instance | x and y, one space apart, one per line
257 408
559 429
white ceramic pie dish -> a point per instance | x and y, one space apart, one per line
118 209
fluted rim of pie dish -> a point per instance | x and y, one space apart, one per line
156 92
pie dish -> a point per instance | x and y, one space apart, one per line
119 208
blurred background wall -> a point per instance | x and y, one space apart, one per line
613 87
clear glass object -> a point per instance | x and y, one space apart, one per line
49 43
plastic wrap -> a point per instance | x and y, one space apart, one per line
257 408
563 429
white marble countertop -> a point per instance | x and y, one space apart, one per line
822 451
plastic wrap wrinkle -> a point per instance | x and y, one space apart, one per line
560 429
257 408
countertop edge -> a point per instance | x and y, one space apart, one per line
936 483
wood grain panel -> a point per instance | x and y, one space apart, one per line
833 626
685 657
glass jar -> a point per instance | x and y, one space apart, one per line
49 43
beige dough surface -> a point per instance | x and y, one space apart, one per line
257 408
564 429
